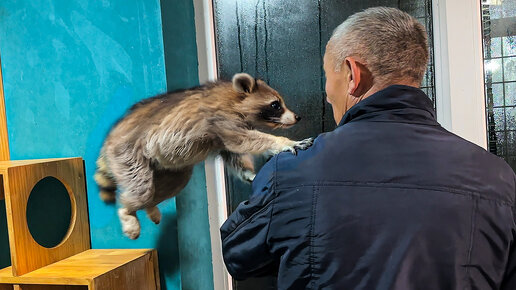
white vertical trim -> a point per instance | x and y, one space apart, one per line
459 77
442 85
205 36
217 211
214 167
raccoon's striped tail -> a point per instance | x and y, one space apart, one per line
105 181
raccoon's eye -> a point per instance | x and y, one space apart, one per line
276 105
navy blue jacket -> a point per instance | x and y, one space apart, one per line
388 200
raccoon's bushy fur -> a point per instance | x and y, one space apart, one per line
150 153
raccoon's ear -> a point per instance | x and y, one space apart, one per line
243 83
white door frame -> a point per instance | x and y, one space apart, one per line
459 75
459 82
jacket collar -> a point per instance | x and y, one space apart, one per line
396 103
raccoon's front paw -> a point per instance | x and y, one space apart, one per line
299 145
304 144
247 175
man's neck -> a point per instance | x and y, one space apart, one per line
350 102
378 87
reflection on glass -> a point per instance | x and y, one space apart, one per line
509 69
497 92
510 94
509 45
499 39
511 143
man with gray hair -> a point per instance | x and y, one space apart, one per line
389 199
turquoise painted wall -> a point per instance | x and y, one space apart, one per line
192 204
71 68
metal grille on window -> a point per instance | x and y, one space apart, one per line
499 39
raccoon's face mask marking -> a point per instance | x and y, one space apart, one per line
262 105
277 115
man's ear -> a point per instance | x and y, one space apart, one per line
361 78
243 83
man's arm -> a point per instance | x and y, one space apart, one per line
245 234
509 280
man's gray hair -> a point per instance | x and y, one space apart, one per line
392 44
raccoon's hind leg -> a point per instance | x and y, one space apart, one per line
136 180
154 214
130 223
240 164
168 183
105 181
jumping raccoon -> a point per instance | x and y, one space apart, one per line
150 153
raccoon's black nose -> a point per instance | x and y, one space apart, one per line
298 118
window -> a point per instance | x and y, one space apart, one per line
499 43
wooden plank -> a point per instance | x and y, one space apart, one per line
26 254
156 269
51 287
85 267
42 277
138 274
4 138
6 287
4 165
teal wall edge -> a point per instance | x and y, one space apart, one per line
195 257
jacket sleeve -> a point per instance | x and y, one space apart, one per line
509 280
244 235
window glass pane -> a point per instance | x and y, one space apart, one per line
510 118
509 45
493 48
493 70
511 143
496 93
510 94
509 69
499 39
499 118
501 143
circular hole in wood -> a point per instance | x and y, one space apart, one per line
49 212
